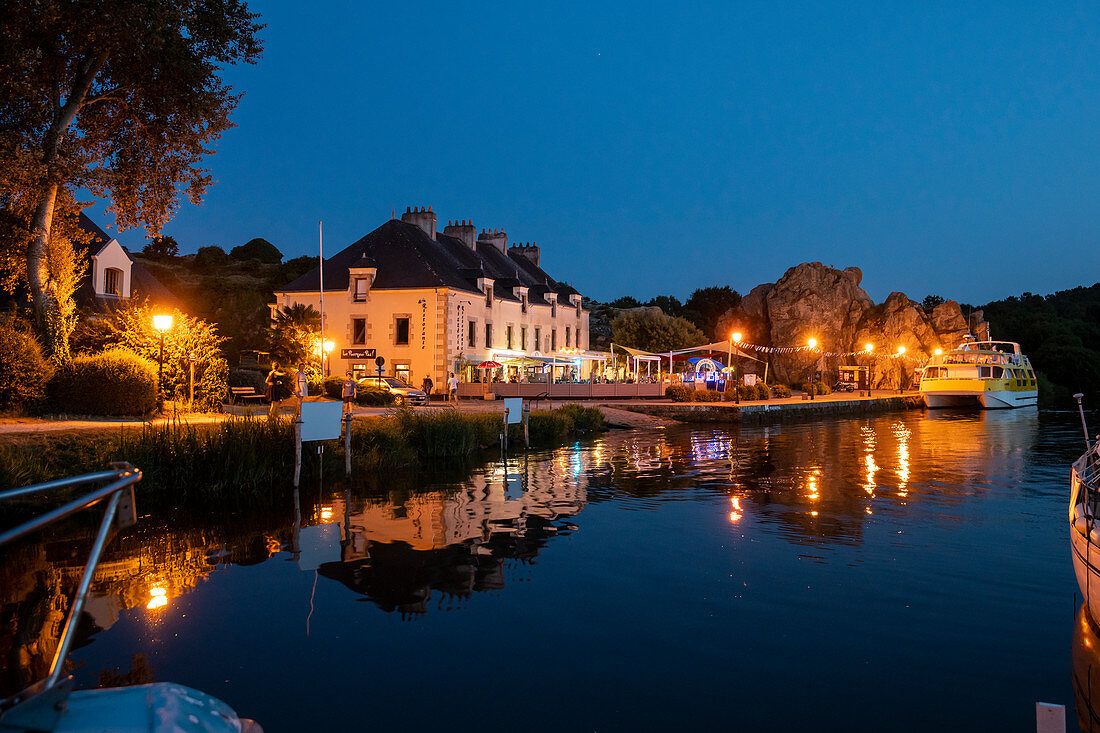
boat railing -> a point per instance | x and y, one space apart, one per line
40 706
1086 471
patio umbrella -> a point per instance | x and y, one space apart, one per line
489 365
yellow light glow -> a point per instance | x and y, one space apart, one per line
868 347
329 346
158 598
737 336
901 349
812 343
937 352
162 323
736 513
326 513
813 514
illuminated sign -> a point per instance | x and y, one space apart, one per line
357 353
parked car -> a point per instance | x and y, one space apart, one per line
404 394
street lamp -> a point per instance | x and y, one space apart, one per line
161 323
870 348
735 336
901 370
812 343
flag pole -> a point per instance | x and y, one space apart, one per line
321 276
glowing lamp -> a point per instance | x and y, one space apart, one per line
868 348
812 343
329 346
901 350
737 336
937 352
162 323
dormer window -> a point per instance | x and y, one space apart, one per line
488 296
523 303
112 282
553 307
362 286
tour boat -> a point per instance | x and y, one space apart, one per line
992 374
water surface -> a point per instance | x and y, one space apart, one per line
900 572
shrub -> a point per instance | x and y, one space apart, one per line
819 388
334 387
257 249
373 397
585 419
678 393
706 395
114 382
24 373
781 391
314 384
210 258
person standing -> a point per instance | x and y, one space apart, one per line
428 385
348 393
452 388
275 381
301 388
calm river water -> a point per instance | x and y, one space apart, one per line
901 572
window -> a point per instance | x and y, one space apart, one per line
471 335
488 335
538 338
554 308
112 281
523 338
523 303
401 371
488 296
401 332
359 330
553 339
568 335
508 336
362 284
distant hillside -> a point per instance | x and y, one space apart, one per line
1061 335
233 294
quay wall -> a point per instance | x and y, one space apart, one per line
708 412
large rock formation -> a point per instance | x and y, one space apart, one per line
812 300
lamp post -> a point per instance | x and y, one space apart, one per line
735 336
812 343
161 323
870 348
901 370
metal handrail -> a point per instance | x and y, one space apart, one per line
120 503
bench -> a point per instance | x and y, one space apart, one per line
243 394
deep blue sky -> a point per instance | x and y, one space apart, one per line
942 147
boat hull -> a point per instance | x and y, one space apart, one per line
1086 567
985 399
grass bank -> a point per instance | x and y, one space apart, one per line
248 457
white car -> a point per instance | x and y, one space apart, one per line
404 394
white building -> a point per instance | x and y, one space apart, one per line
431 302
114 277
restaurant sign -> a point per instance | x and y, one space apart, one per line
357 353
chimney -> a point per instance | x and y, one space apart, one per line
423 219
494 237
466 231
530 252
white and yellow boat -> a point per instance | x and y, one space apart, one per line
990 374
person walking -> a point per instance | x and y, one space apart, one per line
452 388
428 386
301 388
348 393
275 382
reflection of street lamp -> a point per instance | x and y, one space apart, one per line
812 343
161 323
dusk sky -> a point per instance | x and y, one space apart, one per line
655 148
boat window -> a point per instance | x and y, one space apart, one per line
985 372
998 372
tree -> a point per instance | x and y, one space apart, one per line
627 301
210 258
122 99
295 332
669 304
257 249
165 246
706 306
655 332
930 302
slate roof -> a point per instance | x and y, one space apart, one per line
406 257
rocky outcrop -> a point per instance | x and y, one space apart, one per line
813 300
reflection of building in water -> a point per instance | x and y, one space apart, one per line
455 541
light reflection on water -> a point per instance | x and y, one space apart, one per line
652 579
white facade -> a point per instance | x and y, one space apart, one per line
111 271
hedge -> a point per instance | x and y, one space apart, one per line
24 373
781 391
113 382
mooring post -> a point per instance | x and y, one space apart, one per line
526 423
504 433
297 450
347 444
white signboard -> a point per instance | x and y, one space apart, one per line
321 420
514 406
750 380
